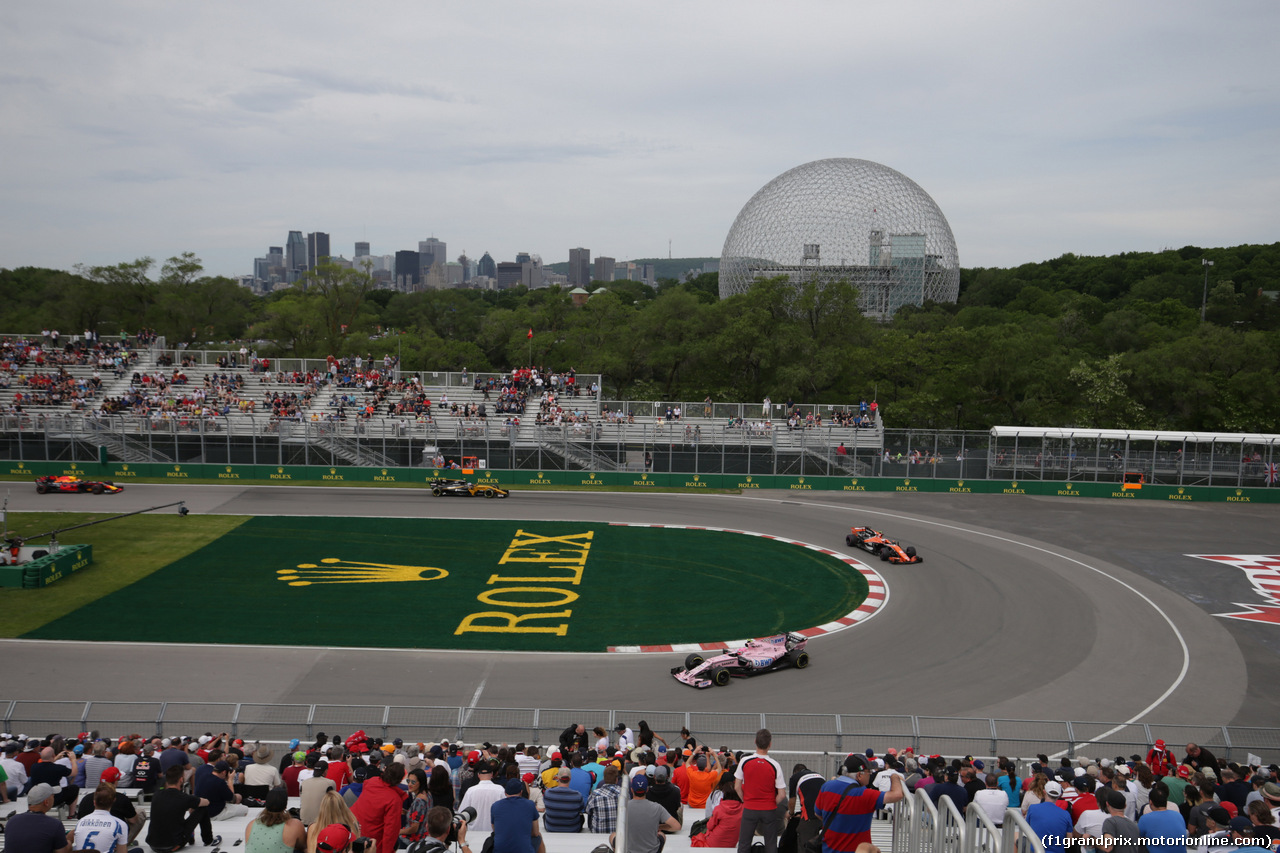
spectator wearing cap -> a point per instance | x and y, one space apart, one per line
219 790
665 794
175 815
379 805
1177 781
312 790
704 774
645 820
467 776
551 773
1217 830
1118 830
847 804
1049 821
602 805
1271 798
14 769
1162 828
1161 759
262 771
482 795
514 821
761 783
626 739
334 838
564 805
35 831
290 774
950 787
147 774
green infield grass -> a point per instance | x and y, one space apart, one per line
124 551
448 584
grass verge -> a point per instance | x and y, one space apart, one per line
124 551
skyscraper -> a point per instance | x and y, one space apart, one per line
466 267
604 269
295 256
362 250
579 267
317 249
487 266
408 270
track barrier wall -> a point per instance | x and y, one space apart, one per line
123 472
820 740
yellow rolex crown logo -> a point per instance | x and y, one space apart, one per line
384 472
334 570
228 469
1239 492
853 482
695 478
1181 490
960 484
177 467
1014 484
749 478
124 467
593 476
802 479
906 482
644 476
333 470
539 475
279 470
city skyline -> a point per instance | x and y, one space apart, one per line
1041 129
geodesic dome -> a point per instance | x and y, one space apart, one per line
845 219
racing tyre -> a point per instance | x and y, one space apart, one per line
35 555
490 493
96 488
693 660
801 660
884 555
911 550
720 677
42 488
437 492
848 540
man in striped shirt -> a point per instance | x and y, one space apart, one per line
851 815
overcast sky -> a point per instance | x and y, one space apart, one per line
151 128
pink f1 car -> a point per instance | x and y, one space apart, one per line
756 657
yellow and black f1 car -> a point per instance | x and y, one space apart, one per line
466 489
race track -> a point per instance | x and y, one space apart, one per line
1025 608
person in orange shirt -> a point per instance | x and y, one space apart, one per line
704 774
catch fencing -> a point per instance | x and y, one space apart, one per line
816 739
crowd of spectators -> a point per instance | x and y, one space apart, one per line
37 371
418 795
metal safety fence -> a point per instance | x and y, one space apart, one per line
823 739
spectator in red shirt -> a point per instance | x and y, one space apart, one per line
339 770
379 805
762 785
291 772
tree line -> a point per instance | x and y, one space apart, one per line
1076 341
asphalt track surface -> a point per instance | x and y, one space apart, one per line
1025 608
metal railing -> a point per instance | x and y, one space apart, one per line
920 826
829 737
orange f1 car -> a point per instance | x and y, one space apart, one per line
875 542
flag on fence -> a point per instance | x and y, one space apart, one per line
1273 474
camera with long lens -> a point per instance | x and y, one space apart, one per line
361 844
467 816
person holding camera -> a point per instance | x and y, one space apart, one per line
704 774
441 823
379 806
